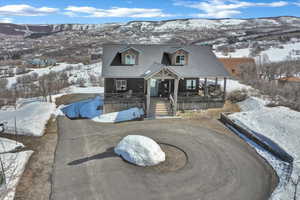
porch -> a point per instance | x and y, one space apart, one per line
164 93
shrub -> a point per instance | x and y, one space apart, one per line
237 96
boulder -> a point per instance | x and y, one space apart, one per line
140 150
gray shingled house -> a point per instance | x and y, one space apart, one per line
162 78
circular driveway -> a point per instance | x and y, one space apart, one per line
219 166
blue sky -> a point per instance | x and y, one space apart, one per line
103 11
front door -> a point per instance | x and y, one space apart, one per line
163 88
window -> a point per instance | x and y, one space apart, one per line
129 59
180 60
121 85
190 84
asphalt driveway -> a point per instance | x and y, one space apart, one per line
219 166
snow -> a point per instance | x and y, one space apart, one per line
279 54
85 90
232 85
78 71
281 125
7 145
31 118
14 166
253 103
239 53
125 115
140 150
274 54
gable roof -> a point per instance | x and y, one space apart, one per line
156 68
202 61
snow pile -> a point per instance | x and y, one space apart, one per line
282 126
30 118
125 115
14 166
253 103
140 150
7 145
85 90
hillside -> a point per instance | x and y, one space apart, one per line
79 41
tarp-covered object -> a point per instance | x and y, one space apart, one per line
124 115
84 109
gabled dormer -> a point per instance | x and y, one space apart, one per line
179 57
129 56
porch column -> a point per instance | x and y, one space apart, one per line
224 96
176 82
205 87
148 97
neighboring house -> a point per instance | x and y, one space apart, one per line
42 62
232 65
162 78
289 80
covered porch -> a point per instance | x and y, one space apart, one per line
182 93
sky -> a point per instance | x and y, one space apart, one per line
108 11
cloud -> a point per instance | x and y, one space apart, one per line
6 20
115 12
297 3
224 8
25 10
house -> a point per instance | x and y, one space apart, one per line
162 78
232 65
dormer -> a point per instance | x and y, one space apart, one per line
179 57
129 56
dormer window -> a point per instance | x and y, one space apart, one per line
130 59
180 60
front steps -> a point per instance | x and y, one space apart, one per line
160 107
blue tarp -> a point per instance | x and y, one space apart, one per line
84 109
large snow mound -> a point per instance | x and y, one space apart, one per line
30 118
140 150
125 115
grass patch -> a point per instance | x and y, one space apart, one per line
213 113
71 98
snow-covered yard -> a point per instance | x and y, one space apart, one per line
30 118
281 125
14 166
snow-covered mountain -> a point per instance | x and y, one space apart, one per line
227 36
274 23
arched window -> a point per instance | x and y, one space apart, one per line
129 59
180 60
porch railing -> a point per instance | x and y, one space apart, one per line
124 97
172 103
